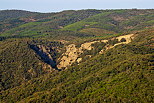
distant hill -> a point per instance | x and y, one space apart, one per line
17 18
84 21
116 20
10 14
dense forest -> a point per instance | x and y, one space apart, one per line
82 56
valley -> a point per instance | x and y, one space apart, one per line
77 56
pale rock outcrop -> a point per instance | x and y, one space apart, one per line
72 52
87 45
128 39
69 56
79 60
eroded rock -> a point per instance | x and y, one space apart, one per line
73 53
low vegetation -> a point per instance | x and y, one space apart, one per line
123 73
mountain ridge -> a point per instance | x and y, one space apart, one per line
94 56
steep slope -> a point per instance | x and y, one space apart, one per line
74 54
121 74
77 56
19 63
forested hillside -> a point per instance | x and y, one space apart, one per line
84 21
83 56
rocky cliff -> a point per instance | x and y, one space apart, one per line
73 53
47 55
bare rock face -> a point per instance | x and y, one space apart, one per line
72 53
128 38
44 53
69 56
87 45
79 60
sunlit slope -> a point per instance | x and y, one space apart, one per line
121 74
116 21
44 23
